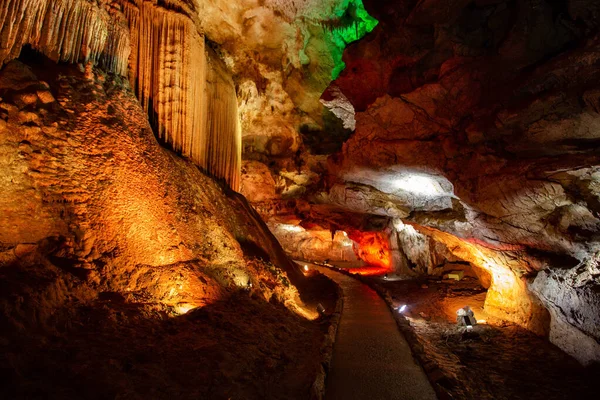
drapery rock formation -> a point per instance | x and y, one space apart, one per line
122 254
183 87
88 187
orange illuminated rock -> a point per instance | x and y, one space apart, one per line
113 211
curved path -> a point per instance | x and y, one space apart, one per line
371 358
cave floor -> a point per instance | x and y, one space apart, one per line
498 360
239 347
371 358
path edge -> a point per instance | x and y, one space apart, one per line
318 387
434 374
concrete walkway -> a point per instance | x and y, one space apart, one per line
371 358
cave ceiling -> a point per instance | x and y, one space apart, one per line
483 109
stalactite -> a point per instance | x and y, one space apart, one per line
185 90
188 95
64 30
223 132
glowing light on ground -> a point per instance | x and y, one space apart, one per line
241 278
183 308
368 270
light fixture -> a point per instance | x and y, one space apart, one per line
320 309
306 267
402 308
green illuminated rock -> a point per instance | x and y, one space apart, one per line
350 23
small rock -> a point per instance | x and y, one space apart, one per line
31 132
424 286
26 98
24 249
28 117
25 146
45 96
8 109
49 129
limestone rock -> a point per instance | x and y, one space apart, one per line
95 196
257 183
572 296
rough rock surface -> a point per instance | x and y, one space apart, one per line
315 243
476 126
72 193
504 108
110 236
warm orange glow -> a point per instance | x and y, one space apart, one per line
183 308
374 249
507 297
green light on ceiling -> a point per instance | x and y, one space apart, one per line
351 23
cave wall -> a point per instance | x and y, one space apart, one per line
475 123
182 85
418 254
314 243
93 204
498 99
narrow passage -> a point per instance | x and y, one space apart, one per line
371 358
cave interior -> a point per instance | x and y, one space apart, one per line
195 194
